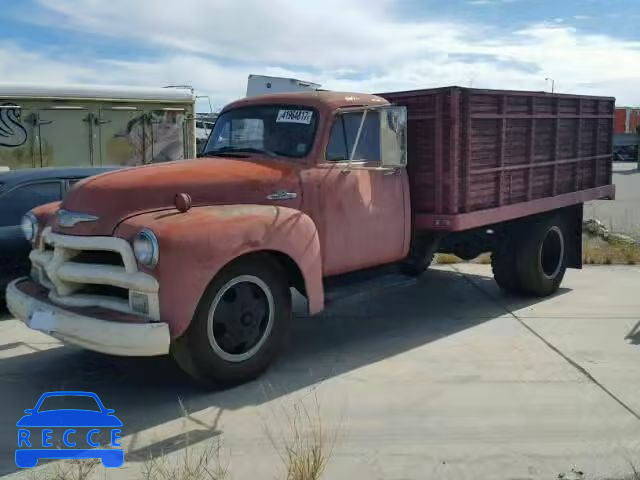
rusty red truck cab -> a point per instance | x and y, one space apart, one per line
198 258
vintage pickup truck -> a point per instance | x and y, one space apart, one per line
302 190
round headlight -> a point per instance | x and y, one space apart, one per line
145 248
29 226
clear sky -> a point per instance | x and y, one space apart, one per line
587 46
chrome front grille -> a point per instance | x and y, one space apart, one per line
99 257
93 271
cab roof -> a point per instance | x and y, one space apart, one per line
321 100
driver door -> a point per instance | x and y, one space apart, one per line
361 210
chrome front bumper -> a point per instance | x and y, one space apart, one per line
122 336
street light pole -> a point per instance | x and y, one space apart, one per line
553 84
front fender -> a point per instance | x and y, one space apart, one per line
197 244
46 216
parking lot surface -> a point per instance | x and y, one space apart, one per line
623 215
438 377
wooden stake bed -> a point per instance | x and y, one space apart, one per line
478 157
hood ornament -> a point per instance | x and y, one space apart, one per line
69 219
183 202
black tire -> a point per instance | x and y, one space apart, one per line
415 266
421 254
503 265
202 352
542 257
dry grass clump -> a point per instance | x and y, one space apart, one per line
599 252
305 446
193 464
595 251
67 470
302 442
446 259
450 259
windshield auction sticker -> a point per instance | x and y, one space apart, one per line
294 116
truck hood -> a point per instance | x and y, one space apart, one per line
115 196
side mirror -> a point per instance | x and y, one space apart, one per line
393 136
29 411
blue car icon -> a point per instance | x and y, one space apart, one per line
42 418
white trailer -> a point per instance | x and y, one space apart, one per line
262 84
73 125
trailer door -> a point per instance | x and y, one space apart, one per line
66 137
124 136
168 134
19 143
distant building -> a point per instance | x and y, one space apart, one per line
627 120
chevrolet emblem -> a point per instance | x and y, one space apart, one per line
69 219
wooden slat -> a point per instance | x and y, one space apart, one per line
551 163
532 146
454 149
577 180
421 117
610 150
556 147
502 138
594 165
539 116
490 216
466 174
437 191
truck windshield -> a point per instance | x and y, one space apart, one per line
274 130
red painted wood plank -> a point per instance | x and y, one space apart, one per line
467 221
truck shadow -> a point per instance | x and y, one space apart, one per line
148 392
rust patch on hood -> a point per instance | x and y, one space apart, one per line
115 196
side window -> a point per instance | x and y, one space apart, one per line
337 147
21 199
344 133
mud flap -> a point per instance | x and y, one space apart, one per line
574 218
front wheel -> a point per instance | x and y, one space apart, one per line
240 324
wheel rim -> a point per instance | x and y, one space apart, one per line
552 253
240 318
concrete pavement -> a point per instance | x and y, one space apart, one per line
622 215
441 377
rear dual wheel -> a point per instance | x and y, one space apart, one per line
532 261
240 324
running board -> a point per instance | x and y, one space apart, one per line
372 281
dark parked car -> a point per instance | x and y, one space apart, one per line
20 191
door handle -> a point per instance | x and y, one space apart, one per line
282 195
